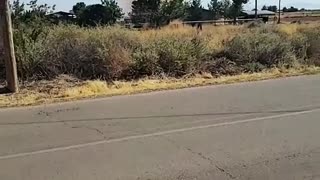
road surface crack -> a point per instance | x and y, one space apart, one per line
290 157
202 156
93 129
199 154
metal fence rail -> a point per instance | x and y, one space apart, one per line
238 21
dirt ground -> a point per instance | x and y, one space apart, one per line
306 19
303 17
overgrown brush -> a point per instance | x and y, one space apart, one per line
313 48
113 53
259 51
90 53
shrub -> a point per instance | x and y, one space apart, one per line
260 50
220 66
287 29
172 56
300 46
112 53
90 53
313 49
255 24
145 63
30 47
178 57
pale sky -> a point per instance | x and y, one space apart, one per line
66 5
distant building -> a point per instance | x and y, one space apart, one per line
265 15
62 16
260 13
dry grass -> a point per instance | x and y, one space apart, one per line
294 29
288 29
112 51
213 36
66 89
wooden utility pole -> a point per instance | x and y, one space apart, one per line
8 46
279 18
256 9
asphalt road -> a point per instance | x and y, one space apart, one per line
261 130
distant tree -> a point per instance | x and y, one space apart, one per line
39 9
146 11
225 7
285 9
171 10
113 9
31 13
236 7
195 11
18 10
216 9
264 8
291 9
79 8
106 13
139 12
93 15
272 8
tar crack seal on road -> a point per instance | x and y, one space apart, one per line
202 156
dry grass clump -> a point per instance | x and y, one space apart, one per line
107 61
66 88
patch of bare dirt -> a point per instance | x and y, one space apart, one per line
55 86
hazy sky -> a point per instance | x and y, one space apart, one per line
66 5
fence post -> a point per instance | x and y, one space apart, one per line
8 47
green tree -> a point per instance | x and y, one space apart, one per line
36 10
195 11
285 9
236 7
215 8
264 8
272 8
171 10
18 10
140 13
31 13
106 13
292 9
146 11
226 8
113 9
79 8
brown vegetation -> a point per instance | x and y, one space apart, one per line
65 88
107 61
